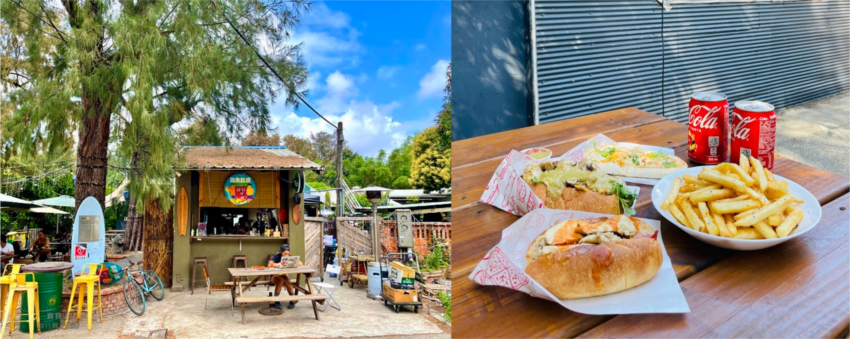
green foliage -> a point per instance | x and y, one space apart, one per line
447 304
318 185
437 259
202 132
35 189
147 65
413 198
431 169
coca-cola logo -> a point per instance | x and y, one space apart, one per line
740 130
707 120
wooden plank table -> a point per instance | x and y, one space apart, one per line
237 288
796 289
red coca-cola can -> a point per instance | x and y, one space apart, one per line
708 128
753 132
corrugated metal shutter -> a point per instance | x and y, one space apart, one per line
597 56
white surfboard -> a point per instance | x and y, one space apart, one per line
88 241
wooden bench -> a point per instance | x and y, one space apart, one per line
282 299
245 283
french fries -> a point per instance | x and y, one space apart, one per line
761 178
671 197
742 201
724 207
709 222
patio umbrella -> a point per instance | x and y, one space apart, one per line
8 202
60 201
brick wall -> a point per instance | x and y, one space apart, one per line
112 301
423 234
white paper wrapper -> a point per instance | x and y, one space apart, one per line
504 265
508 192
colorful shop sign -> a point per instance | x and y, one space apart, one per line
240 189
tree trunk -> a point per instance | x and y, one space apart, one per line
91 149
131 225
158 240
133 228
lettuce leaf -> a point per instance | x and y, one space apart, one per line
627 198
606 153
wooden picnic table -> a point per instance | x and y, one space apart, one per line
237 288
796 289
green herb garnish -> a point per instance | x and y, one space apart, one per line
635 159
534 180
668 164
626 196
606 153
656 155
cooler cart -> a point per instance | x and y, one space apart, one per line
357 269
385 293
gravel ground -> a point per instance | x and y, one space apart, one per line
817 134
184 317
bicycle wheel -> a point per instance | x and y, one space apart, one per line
157 290
133 295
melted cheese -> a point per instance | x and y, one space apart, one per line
576 175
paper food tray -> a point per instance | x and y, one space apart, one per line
504 265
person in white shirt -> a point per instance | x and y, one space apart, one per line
7 250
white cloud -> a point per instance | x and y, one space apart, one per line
339 88
363 77
321 15
386 72
368 126
327 38
420 47
433 83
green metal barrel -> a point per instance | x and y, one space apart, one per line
49 300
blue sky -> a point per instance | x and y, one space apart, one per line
378 66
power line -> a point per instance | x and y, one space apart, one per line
269 66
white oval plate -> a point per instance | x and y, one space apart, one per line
810 207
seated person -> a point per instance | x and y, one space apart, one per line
40 248
281 280
20 252
7 250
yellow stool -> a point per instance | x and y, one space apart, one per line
8 271
17 286
89 276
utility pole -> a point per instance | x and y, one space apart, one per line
340 201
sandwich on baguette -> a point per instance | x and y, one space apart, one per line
579 258
631 161
567 185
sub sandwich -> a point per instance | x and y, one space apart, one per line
568 185
579 258
632 161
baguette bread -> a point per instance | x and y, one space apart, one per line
578 200
583 269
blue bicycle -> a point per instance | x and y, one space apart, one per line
140 283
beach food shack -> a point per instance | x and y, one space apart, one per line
242 202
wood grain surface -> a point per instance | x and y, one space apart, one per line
485 311
795 289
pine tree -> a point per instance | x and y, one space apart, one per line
126 72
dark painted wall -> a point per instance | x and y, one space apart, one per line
490 42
